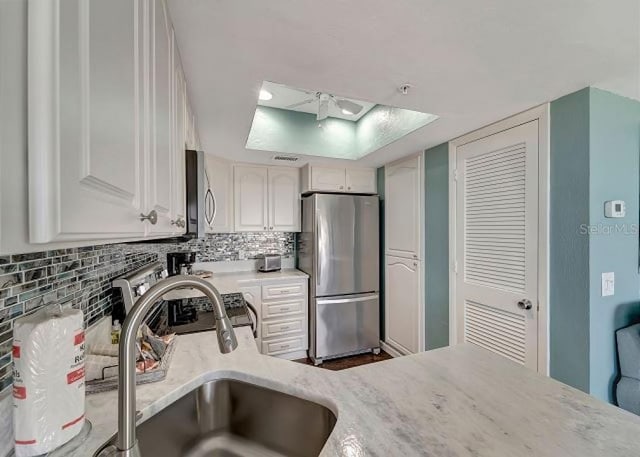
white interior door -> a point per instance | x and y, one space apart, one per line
402 304
497 243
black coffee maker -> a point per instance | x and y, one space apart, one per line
180 263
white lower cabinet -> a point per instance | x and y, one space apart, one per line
402 304
282 308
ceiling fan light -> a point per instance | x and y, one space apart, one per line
265 95
348 107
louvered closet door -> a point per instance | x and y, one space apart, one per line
497 243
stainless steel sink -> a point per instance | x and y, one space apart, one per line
229 418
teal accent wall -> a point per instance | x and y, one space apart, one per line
436 164
614 139
595 157
569 250
380 173
293 132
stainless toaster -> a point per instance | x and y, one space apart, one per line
269 262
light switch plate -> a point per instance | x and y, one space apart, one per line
608 283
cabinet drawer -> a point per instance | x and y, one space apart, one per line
282 290
284 345
283 308
283 327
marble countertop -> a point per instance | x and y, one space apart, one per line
229 282
454 402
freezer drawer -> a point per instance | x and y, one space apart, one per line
344 325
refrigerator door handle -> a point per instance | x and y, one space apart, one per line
330 301
319 255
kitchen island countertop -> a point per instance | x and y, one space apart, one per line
457 401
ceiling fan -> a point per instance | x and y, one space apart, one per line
346 106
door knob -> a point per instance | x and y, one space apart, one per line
525 304
151 217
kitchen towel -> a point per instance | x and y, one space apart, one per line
49 380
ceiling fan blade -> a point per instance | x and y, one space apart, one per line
323 109
295 105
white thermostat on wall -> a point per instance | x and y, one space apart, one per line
614 208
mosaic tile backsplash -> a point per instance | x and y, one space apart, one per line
81 277
232 246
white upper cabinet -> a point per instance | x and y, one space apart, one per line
361 180
218 201
284 199
266 199
179 194
250 194
403 208
85 136
106 121
162 150
328 179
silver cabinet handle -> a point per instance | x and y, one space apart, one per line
341 187
151 217
271 228
525 304
349 188
264 228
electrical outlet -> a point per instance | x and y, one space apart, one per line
608 284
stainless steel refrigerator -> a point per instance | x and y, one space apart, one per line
338 248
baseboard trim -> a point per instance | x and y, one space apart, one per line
393 352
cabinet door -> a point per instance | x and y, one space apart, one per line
85 135
284 200
329 179
250 198
402 304
161 152
361 181
403 208
179 190
218 201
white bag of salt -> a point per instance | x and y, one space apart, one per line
48 379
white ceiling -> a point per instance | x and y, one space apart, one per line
471 63
285 96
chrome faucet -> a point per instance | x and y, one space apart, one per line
126 444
